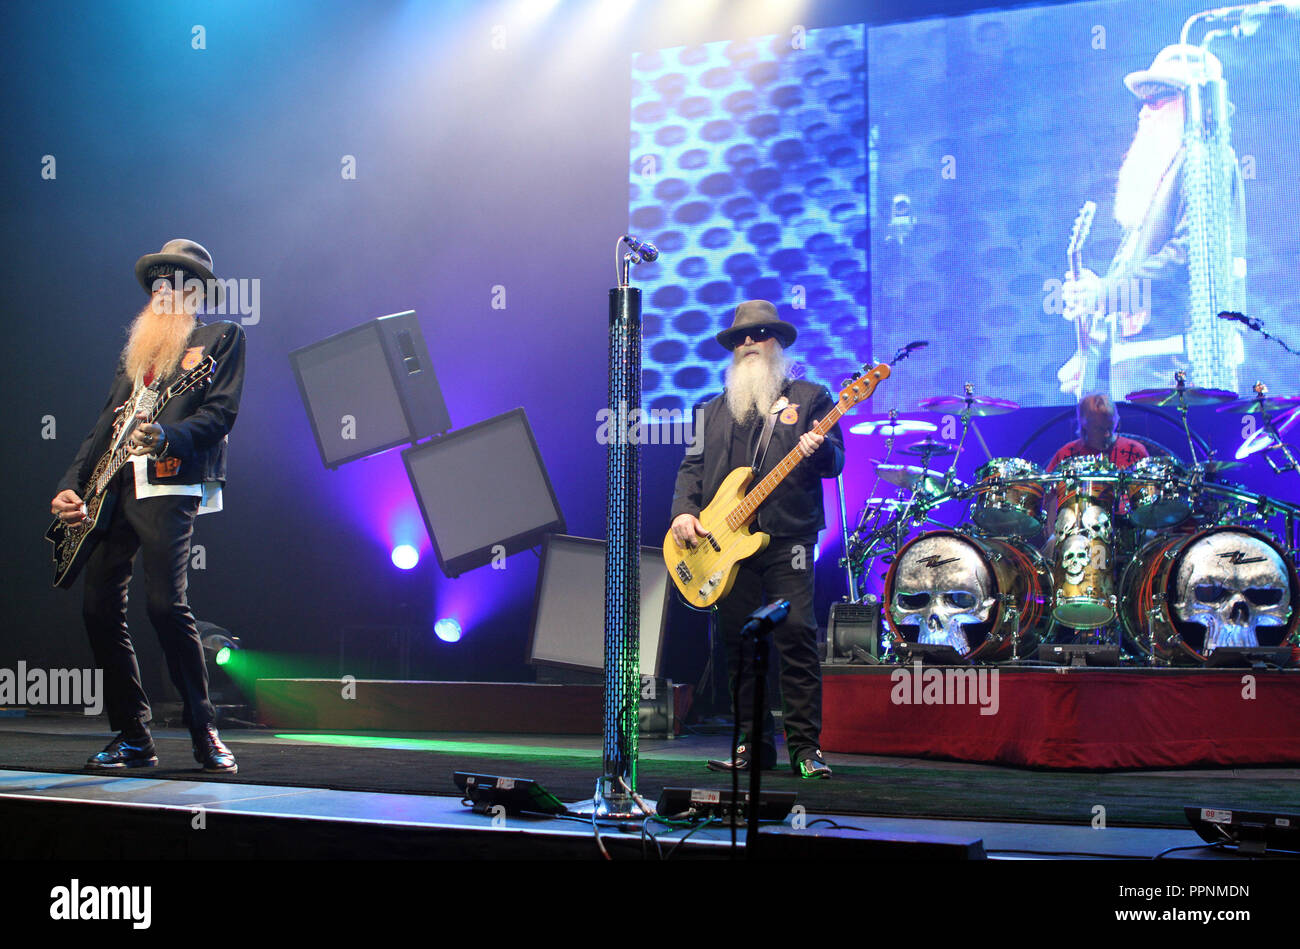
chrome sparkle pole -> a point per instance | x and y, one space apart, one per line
616 790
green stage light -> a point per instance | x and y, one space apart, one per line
223 656
485 748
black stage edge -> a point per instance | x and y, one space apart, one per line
130 817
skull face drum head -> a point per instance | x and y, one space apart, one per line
1233 583
941 585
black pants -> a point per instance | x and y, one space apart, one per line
783 571
160 528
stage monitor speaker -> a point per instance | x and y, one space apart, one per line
569 609
370 388
483 491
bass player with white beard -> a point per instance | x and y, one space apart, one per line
763 414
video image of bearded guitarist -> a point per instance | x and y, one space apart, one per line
1180 204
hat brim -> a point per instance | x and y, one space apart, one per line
1141 83
189 265
732 337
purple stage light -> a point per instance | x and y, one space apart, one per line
448 630
405 556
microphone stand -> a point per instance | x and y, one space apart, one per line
760 623
1258 326
615 794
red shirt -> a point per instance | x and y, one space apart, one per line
1125 453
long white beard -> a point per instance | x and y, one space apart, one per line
1156 142
156 342
754 384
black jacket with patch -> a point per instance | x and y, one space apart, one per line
195 422
795 507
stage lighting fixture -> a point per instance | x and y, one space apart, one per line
370 388
1250 657
1249 831
932 654
448 630
484 492
220 648
488 791
1080 654
218 644
405 556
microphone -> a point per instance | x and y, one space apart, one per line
909 348
763 619
1247 17
901 219
1235 317
649 253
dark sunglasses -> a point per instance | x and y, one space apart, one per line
759 334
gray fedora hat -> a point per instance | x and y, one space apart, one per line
751 315
188 256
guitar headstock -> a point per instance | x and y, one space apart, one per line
860 385
196 378
1082 227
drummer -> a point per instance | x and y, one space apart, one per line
1098 428
1098 435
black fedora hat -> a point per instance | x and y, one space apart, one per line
752 315
187 256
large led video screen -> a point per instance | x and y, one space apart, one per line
967 149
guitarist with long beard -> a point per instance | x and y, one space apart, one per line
176 472
1134 319
729 430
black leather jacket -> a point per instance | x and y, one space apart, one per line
195 423
795 508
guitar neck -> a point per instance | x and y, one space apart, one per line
115 463
748 506
120 457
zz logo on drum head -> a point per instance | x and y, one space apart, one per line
1239 557
934 563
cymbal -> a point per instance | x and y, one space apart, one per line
980 405
902 426
910 476
890 504
1191 395
928 448
1215 465
1271 403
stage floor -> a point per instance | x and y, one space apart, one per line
404 780
552 837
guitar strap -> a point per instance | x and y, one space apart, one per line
760 453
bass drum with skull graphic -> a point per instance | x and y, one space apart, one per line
1187 595
952 589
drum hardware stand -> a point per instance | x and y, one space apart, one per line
1011 618
969 391
1155 616
844 536
1261 390
854 538
1180 382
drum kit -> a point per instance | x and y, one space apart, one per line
1164 561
